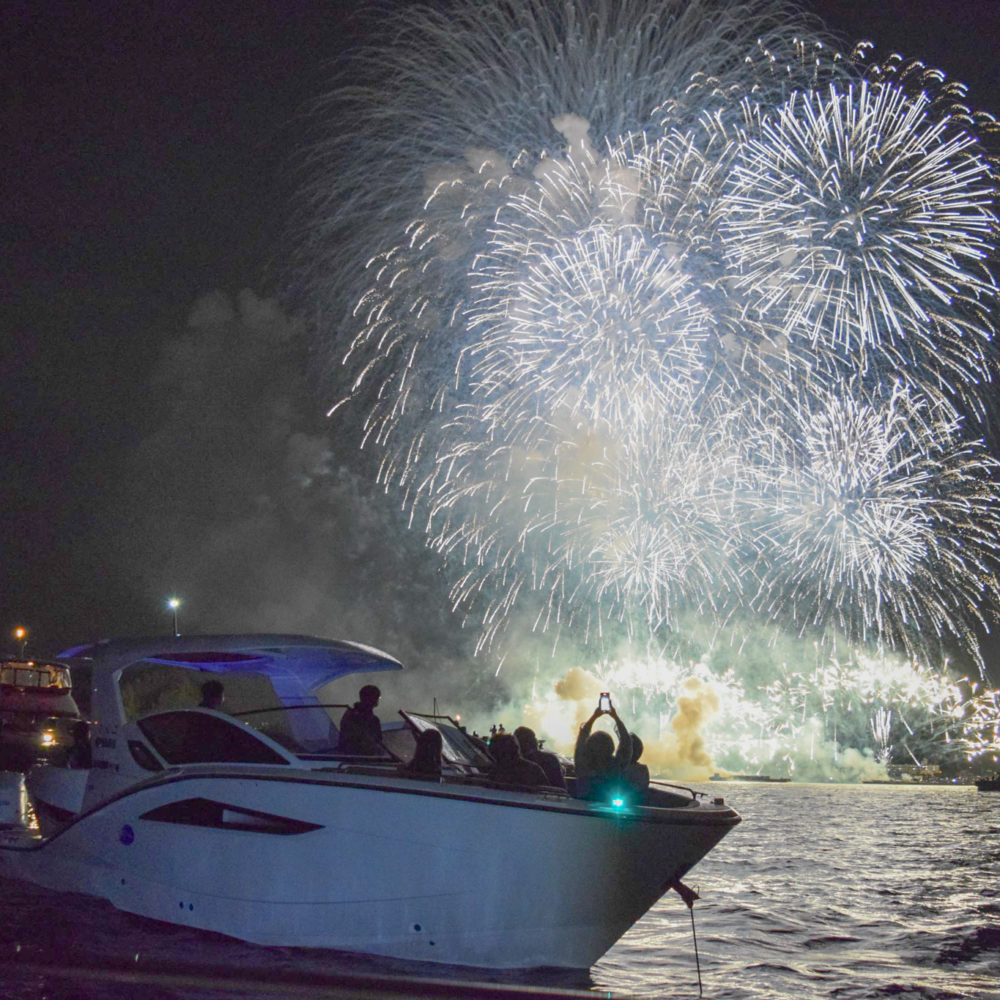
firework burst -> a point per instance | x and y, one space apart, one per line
857 223
658 308
873 517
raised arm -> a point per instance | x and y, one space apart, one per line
583 736
623 755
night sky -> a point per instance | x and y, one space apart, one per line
151 156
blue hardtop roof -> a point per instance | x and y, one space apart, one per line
310 661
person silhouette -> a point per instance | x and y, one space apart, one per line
360 729
213 694
599 767
426 760
511 768
636 773
548 762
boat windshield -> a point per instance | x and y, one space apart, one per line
301 729
456 747
193 736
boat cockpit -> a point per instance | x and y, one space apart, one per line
146 722
297 735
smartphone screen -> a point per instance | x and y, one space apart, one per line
605 703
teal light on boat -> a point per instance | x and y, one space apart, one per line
618 802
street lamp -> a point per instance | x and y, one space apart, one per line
174 603
21 635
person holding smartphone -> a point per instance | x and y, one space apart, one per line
599 766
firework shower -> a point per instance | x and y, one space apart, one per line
658 309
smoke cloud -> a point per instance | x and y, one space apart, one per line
237 500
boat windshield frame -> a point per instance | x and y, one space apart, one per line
456 748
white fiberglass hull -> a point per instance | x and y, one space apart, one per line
377 864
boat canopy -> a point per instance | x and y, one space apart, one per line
292 662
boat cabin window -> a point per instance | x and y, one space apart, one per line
34 675
195 737
150 687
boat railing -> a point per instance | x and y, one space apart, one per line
672 785
386 768
285 708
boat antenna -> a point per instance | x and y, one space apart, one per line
689 896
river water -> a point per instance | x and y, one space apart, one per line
841 891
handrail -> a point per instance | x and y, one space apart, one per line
683 788
283 708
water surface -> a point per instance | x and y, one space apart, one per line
840 891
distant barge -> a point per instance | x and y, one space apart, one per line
748 777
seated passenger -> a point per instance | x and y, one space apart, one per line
511 768
637 774
548 762
360 729
426 760
599 767
213 694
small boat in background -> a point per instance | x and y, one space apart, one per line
988 784
749 777
37 711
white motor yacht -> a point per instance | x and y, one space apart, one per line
253 825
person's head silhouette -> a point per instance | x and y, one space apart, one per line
212 695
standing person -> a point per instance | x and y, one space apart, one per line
360 729
548 762
599 767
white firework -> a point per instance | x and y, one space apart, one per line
662 306
605 527
576 306
861 226
879 518
882 732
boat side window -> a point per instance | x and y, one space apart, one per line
191 737
142 756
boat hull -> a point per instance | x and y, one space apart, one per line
380 865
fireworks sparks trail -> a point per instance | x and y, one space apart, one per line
819 717
661 308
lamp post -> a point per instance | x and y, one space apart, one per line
21 635
174 603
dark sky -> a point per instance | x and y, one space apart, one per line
149 152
